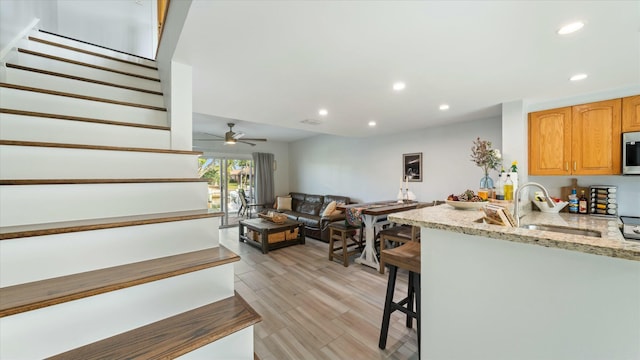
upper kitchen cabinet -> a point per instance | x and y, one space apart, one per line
577 140
631 113
550 142
596 143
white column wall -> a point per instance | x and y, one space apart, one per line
489 299
181 107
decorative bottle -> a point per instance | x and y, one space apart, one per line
508 188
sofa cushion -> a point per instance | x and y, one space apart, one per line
309 220
296 200
311 205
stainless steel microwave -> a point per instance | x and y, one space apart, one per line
631 153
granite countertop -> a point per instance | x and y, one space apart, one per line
612 243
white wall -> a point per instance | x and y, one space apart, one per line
369 169
279 150
15 15
125 25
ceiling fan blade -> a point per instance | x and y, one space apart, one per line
244 142
251 139
218 136
209 139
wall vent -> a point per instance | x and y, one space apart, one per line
311 121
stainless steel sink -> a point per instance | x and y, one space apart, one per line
561 229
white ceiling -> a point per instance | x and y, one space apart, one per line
272 64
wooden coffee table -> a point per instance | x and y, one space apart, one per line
265 228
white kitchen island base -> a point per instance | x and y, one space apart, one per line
486 298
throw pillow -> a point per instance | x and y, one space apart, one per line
329 209
336 212
275 203
284 203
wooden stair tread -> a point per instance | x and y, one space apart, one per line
38 294
73 77
20 231
78 118
80 97
96 45
173 336
58 58
96 147
47 42
95 181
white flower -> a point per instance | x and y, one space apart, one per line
497 154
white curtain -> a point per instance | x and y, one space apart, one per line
265 186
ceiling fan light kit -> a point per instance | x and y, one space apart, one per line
231 138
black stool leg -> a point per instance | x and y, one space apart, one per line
386 316
410 296
416 285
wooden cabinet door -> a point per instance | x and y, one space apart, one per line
631 113
596 143
550 142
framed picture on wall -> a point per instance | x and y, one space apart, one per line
412 167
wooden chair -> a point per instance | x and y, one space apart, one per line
400 234
341 238
406 256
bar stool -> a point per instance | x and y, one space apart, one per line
406 256
397 234
400 234
344 234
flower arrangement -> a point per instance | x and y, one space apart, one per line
484 156
514 166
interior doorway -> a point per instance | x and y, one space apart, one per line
225 176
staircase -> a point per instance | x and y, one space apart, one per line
107 249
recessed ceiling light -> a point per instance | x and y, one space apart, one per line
372 123
399 86
578 77
570 28
323 112
444 107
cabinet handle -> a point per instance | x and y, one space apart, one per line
575 165
566 166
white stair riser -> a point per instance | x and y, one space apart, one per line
92 48
39 62
37 258
56 104
238 345
40 129
33 204
88 59
48 331
57 83
63 163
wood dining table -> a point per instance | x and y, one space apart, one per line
374 215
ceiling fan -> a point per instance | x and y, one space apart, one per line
231 137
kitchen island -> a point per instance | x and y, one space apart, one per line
492 292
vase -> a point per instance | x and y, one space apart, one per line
486 182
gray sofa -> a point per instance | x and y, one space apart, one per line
308 209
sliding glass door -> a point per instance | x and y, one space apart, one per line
225 177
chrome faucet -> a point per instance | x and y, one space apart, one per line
516 204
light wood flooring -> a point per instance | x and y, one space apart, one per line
313 308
